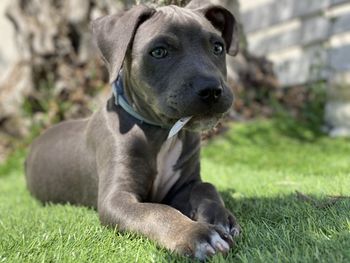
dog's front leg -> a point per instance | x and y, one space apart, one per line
119 207
207 206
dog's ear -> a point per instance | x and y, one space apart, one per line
223 20
113 35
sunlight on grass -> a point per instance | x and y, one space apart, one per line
257 167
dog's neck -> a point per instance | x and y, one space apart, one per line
140 110
123 100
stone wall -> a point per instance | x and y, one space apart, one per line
307 41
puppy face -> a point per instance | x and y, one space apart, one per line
174 62
178 64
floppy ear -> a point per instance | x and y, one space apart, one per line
223 20
113 35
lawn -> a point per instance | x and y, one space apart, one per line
288 187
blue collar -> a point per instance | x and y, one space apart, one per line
120 100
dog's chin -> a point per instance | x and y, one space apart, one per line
198 123
203 123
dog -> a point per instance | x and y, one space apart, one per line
166 66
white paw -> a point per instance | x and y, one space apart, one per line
209 248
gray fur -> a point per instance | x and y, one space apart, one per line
109 161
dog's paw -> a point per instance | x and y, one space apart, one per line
216 214
202 241
228 223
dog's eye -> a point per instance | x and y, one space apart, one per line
159 52
218 48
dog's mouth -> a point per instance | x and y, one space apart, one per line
196 123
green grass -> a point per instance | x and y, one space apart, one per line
257 167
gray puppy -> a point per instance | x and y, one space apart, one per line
119 160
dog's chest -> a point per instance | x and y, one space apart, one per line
167 176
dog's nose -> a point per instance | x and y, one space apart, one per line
210 94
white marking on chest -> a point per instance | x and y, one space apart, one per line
166 175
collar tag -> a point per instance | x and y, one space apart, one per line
178 126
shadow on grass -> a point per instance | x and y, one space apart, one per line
286 228
291 228
277 209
